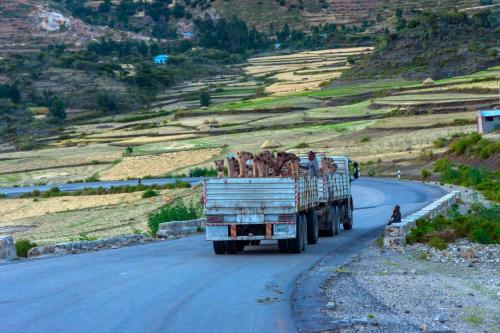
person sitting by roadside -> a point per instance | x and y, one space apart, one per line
396 215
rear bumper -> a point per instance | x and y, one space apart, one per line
225 231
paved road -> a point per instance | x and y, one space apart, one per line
17 191
181 286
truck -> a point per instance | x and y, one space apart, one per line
294 211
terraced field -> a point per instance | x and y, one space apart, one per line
302 71
388 125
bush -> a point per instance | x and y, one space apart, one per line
203 172
173 212
23 246
438 243
425 173
150 194
480 224
365 139
439 142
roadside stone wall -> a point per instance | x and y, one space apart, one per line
7 248
88 246
395 234
176 228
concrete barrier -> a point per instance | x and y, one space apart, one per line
7 248
88 246
177 228
395 234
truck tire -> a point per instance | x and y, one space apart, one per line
231 247
331 222
312 226
219 247
283 245
349 218
336 222
297 244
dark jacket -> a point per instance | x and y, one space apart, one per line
395 217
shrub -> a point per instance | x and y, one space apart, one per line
480 224
365 139
438 243
150 194
425 173
302 145
177 211
203 172
439 142
23 246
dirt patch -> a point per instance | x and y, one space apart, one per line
385 291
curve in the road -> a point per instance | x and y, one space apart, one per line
181 286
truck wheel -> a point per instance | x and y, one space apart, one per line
304 232
349 218
283 245
231 247
240 245
312 226
297 244
331 222
219 247
336 222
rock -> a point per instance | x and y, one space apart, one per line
428 82
442 317
468 254
424 327
7 248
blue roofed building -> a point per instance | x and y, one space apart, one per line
488 121
161 59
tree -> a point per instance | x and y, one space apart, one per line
105 6
205 99
57 110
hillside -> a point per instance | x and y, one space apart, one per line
27 25
435 44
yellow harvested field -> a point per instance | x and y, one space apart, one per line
142 140
261 70
315 54
17 209
302 71
58 157
425 120
157 165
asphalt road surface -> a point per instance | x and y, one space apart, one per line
180 285
17 191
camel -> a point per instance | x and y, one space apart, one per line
243 157
281 159
233 168
219 166
259 167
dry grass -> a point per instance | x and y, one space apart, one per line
57 157
12 210
424 120
157 165
142 140
101 217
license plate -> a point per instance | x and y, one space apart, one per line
281 229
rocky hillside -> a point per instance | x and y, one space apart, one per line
27 25
435 44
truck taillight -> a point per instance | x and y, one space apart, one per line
286 218
215 219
